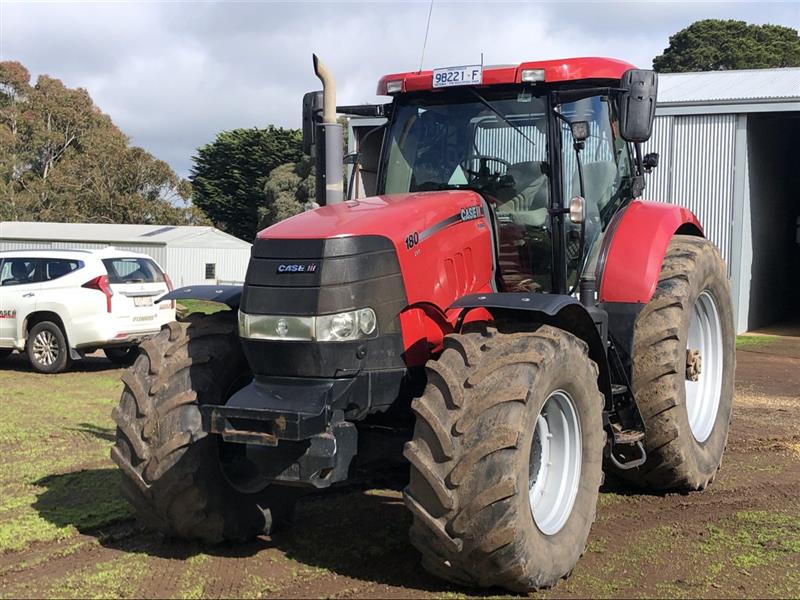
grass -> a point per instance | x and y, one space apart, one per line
744 342
55 432
187 307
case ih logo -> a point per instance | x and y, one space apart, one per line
309 268
8 314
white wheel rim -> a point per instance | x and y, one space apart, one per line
702 395
554 470
45 348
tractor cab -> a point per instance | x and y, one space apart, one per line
543 143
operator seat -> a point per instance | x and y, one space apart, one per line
529 205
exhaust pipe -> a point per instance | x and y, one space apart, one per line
329 163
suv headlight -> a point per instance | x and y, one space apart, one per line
339 327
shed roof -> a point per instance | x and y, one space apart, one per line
152 235
749 86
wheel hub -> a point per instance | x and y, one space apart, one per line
45 348
694 365
555 463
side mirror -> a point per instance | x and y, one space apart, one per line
637 104
312 109
580 130
650 161
577 210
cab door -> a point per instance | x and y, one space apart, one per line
19 284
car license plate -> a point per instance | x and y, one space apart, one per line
143 301
450 76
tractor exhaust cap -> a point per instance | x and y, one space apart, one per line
329 142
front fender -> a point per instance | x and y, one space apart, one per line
224 294
630 263
561 311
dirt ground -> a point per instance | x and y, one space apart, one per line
65 531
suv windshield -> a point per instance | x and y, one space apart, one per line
132 270
493 141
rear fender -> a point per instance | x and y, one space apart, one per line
224 294
630 261
561 311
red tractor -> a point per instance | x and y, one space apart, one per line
498 309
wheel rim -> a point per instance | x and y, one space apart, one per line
555 463
45 348
703 367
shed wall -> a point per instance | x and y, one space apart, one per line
696 170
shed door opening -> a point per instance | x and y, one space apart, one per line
774 159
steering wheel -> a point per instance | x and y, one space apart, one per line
482 168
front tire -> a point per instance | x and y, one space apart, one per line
171 469
47 348
485 512
685 402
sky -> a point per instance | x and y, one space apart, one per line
173 74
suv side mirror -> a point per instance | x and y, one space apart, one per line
312 109
637 104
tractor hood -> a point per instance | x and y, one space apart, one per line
395 216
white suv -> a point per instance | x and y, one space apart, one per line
59 305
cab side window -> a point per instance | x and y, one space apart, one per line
58 267
18 271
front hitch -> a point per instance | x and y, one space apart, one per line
291 428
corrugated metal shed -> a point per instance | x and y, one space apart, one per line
185 252
696 160
729 86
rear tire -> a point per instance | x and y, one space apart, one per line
171 472
47 348
124 356
474 452
691 309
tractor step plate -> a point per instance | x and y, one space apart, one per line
627 436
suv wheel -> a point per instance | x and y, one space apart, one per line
47 348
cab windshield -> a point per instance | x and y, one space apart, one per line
493 142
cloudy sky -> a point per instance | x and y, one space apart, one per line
174 73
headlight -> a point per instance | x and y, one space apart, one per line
268 327
339 327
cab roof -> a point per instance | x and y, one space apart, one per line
564 69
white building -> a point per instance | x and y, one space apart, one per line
189 255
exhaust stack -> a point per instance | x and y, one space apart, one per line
329 159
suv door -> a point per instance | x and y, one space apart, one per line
19 284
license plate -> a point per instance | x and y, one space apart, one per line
450 76
143 301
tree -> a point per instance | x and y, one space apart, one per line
230 174
718 45
62 159
287 190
